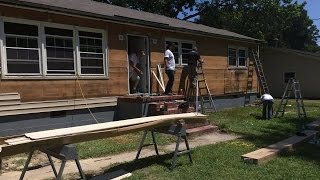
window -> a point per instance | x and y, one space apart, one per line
232 57
237 57
91 53
22 49
59 47
180 50
185 49
174 50
288 75
33 49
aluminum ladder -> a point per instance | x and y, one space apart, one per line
201 91
260 72
292 85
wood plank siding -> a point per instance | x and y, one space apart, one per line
222 79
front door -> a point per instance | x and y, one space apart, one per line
135 45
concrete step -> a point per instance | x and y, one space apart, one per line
201 130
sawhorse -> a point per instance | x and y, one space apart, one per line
64 153
178 130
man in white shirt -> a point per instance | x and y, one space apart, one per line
170 68
134 72
267 102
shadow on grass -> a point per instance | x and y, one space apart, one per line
163 160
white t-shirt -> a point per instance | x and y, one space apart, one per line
170 64
266 97
134 59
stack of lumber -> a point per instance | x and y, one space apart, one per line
58 137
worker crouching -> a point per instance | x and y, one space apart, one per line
267 110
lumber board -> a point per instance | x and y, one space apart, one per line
51 142
268 153
102 126
60 105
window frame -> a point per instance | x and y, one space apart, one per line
43 52
238 48
104 51
4 60
180 41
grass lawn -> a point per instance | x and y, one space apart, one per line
222 160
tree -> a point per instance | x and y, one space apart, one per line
269 20
170 8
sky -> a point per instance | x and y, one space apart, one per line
312 7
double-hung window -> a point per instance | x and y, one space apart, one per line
59 48
237 57
91 53
22 48
49 50
180 50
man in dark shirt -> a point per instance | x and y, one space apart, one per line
194 61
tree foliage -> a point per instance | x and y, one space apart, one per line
281 22
170 8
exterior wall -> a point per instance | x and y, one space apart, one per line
276 62
221 79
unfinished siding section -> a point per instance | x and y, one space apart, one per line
222 79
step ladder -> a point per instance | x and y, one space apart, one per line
260 73
200 92
292 85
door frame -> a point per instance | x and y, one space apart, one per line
147 53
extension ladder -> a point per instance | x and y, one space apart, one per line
260 73
249 82
292 85
200 91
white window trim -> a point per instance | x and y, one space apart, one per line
43 54
237 48
104 51
4 62
180 41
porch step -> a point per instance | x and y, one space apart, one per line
9 99
197 131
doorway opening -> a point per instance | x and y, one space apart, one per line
138 56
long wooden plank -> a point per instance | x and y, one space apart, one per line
104 126
8 150
266 154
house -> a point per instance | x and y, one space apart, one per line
281 64
53 51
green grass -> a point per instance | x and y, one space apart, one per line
222 160
116 145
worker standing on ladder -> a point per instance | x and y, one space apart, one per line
194 61
267 102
